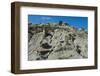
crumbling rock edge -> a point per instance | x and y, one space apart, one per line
57 41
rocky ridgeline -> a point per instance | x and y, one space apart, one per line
56 41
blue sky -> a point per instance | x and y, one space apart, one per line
78 22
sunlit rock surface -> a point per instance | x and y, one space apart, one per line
56 41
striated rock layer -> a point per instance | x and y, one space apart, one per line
56 41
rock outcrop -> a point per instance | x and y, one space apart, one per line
56 41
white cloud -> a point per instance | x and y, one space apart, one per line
46 18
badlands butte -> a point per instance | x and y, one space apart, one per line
53 41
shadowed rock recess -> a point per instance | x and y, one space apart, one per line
53 41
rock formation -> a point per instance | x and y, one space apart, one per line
56 41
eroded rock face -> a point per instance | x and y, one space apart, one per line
61 42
